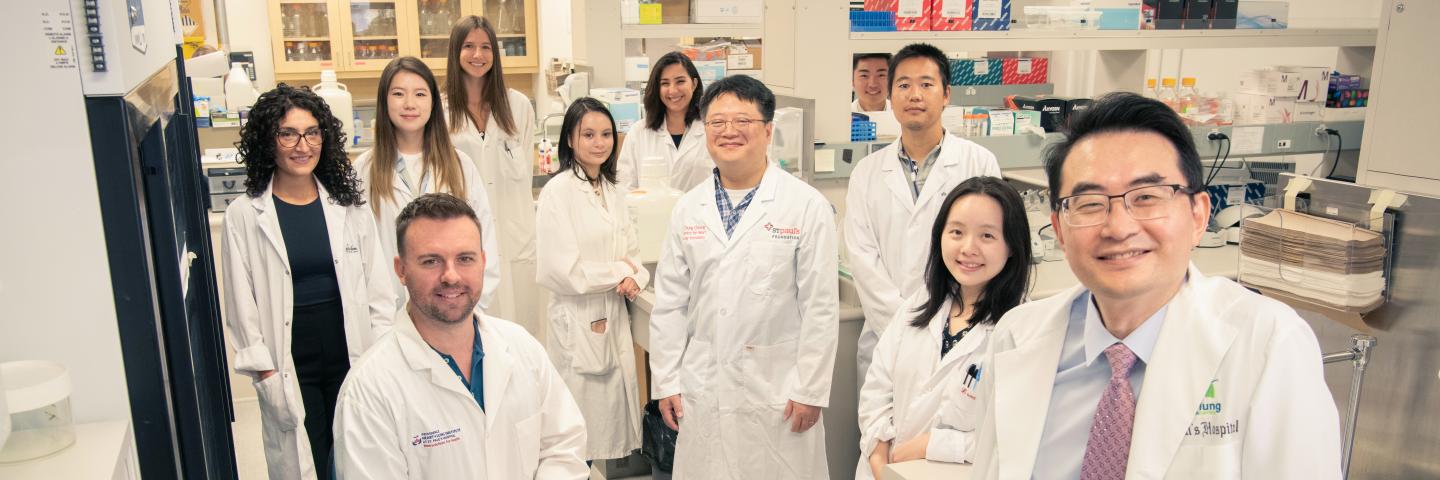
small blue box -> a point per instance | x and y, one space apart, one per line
990 15
1119 18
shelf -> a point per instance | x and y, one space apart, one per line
680 30
994 95
509 35
305 39
361 38
1043 40
435 37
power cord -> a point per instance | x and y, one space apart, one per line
1339 146
1219 162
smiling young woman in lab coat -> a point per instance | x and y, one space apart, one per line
671 128
920 393
589 260
300 305
495 127
413 156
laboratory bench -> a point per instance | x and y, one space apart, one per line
101 450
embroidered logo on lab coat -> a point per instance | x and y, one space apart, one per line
782 233
435 438
1209 405
1212 424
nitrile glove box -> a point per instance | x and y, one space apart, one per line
1312 82
1261 109
1050 109
1025 119
1002 123
1270 82
991 15
975 71
1117 14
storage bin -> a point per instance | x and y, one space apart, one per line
38 394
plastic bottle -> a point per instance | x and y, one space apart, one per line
1225 110
650 207
1188 98
546 151
1149 91
337 96
1167 95
240 94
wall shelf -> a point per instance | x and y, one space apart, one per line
1052 40
681 30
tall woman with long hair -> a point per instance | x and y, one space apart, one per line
589 260
413 155
495 126
919 394
307 285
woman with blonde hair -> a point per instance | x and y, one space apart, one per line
413 156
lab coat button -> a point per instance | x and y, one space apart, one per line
724 312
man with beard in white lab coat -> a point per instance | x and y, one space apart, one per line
746 306
1149 368
896 192
452 393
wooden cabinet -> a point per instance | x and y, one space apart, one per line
360 37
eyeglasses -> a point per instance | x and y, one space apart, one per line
290 139
740 124
1144 203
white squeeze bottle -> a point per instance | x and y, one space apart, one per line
650 207
338 98
240 94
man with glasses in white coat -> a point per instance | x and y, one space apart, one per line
746 312
895 193
1149 368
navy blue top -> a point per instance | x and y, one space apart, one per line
307 245
477 355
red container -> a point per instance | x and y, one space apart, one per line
950 15
1021 71
880 5
912 15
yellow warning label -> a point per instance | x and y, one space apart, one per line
59 50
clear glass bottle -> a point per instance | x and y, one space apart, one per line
1167 95
1188 98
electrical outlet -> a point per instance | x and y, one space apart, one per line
1283 144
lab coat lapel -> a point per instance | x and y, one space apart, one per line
421 356
938 185
1024 377
1187 356
269 223
895 178
763 201
497 366
694 138
334 223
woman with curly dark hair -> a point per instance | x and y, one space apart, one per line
307 287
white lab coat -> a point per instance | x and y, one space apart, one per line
403 413
690 163
1256 355
259 306
888 230
506 163
583 245
401 195
744 324
910 389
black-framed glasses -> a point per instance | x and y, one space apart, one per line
290 138
1143 203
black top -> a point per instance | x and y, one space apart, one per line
676 139
947 341
307 244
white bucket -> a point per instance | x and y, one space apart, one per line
38 397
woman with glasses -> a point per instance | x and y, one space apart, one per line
495 126
671 128
413 156
307 287
918 399
589 260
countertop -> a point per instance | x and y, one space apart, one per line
101 450
1030 176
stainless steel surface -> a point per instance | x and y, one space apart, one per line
1359 357
1398 436
152 100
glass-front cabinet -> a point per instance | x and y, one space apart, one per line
363 36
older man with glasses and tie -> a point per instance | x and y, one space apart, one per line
1148 369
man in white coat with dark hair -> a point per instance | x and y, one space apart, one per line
451 393
895 193
1149 368
746 311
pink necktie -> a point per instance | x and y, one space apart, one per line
1108 449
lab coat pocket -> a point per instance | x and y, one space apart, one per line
527 445
515 159
275 408
767 267
1207 461
768 372
590 352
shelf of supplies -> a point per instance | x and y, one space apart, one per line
680 30
435 37
994 95
510 35
306 39
1043 40
375 37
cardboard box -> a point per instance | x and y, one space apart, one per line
1050 109
1222 15
744 56
650 14
711 71
1313 83
990 15
1270 82
1024 71
1197 14
1002 123
1074 106
1262 15
975 71
912 15
727 11
951 15
675 11
1166 14
1118 14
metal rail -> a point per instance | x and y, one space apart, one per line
1359 357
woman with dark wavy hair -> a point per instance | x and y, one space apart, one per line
307 288
671 130
919 396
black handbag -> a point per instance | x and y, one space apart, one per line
657 441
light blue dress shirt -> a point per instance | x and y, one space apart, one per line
1080 380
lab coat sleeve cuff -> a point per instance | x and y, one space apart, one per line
253 359
947 445
821 401
668 390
